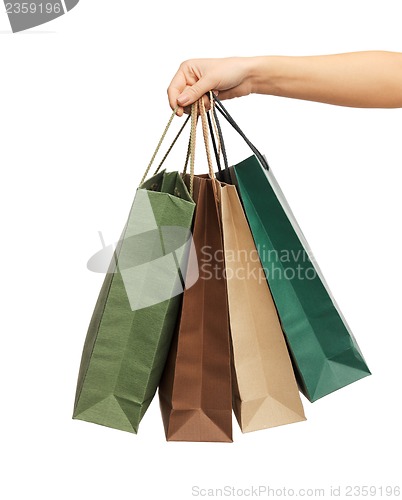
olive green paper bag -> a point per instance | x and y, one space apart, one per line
134 318
133 322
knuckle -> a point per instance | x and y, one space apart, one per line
193 89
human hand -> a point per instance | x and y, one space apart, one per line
228 78
350 79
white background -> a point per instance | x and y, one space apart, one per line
83 103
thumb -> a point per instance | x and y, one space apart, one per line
195 92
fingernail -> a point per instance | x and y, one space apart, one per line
183 99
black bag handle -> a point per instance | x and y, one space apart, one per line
223 148
228 117
223 175
211 133
217 131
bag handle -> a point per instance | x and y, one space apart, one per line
217 148
159 145
218 133
173 143
218 130
208 151
219 106
191 150
205 134
198 109
193 136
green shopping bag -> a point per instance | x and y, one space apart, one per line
325 354
134 318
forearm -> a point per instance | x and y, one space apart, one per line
358 79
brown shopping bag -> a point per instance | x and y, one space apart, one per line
265 392
195 392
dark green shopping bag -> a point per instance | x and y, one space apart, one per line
131 328
325 354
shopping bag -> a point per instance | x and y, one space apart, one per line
325 354
195 392
265 392
133 322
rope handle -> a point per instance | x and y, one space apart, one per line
193 136
204 122
171 146
198 108
191 148
159 144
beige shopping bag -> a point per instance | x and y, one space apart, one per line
265 392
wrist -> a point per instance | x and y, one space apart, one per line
264 75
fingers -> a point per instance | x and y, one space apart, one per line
189 85
176 87
191 94
207 104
